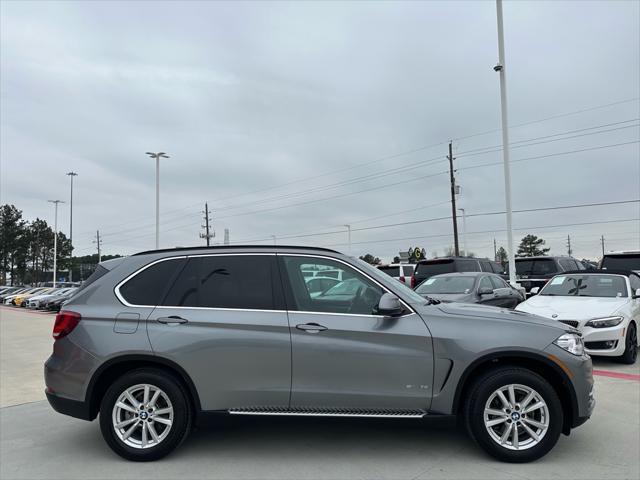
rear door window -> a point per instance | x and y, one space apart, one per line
149 286
567 264
225 281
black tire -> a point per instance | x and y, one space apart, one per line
484 388
630 354
182 414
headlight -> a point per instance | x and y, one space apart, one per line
572 343
604 322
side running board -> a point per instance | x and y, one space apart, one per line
329 412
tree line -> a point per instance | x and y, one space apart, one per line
26 251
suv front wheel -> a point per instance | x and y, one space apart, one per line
144 415
514 414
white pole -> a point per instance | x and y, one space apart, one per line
464 232
55 246
157 202
55 239
501 69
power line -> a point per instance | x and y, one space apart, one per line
491 231
553 117
429 220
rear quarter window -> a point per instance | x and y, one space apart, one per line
149 286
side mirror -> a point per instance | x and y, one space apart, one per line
485 291
389 305
534 290
637 295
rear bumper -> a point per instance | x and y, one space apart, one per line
67 406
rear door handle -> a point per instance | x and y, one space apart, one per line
311 327
172 320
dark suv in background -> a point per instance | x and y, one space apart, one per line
626 260
534 272
435 266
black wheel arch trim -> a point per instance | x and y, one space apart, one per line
519 354
146 358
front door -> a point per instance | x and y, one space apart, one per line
346 356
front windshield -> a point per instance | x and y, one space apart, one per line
406 293
446 285
586 286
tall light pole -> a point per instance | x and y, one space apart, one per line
55 240
71 175
464 232
349 235
501 69
157 156
274 239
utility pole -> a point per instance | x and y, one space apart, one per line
569 251
98 243
495 250
456 247
501 69
71 175
55 240
275 239
208 236
602 243
157 157
226 236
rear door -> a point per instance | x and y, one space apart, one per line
223 321
344 355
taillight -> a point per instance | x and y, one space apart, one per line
66 321
413 281
401 279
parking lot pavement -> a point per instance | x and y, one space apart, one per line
36 442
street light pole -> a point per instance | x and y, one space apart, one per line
55 240
71 175
501 69
349 235
274 239
464 232
157 156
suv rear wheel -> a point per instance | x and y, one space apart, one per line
144 415
514 414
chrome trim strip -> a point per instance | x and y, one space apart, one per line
168 307
328 414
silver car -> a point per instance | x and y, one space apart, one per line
161 340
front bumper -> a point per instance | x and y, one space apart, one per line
605 341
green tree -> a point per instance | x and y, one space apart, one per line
371 259
531 246
501 256
396 259
12 230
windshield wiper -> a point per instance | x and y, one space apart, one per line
432 301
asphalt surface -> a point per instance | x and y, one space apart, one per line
36 442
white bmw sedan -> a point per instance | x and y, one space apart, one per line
604 305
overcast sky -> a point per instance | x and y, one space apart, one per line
273 113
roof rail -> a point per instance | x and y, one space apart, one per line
225 247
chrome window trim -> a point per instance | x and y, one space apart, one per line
226 254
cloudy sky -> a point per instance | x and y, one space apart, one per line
295 119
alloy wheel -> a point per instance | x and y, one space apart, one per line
516 417
142 416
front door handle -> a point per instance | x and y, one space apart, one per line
311 327
172 320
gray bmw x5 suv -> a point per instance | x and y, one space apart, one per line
157 342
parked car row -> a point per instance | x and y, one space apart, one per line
36 298
603 304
